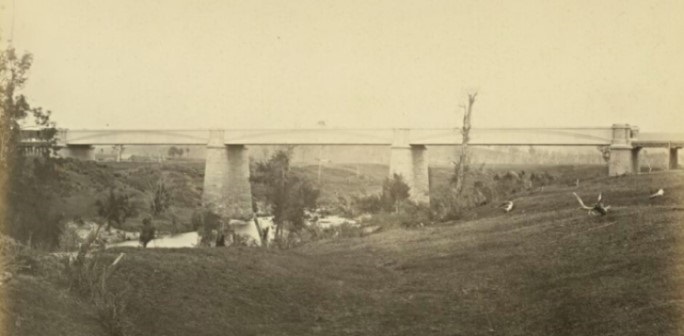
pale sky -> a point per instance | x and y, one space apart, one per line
282 64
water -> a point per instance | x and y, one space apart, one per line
191 239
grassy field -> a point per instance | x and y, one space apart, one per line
547 268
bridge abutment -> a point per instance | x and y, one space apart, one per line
636 162
411 162
624 158
78 152
227 190
674 158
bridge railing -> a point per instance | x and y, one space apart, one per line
438 136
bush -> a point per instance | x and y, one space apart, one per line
90 280
207 223
161 199
11 256
371 204
28 215
447 205
344 230
287 195
410 215
176 225
69 240
287 240
394 192
414 215
343 207
115 208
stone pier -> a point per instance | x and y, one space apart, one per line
624 158
79 152
227 190
674 158
411 162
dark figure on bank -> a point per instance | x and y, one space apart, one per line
147 232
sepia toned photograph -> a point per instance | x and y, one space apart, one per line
334 167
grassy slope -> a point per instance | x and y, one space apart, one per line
84 182
35 306
546 268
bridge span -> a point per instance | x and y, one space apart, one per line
226 181
332 136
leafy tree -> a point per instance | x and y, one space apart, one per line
116 208
287 194
605 152
370 204
161 200
175 151
394 192
25 213
206 222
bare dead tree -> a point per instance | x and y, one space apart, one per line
597 209
465 132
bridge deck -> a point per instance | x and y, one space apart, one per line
660 140
444 136
430 137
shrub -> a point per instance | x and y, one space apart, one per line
370 204
90 279
447 205
410 215
10 252
176 225
345 230
207 223
16 258
414 215
69 240
343 207
288 196
161 199
115 208
394 191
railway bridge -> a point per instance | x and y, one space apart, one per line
226 181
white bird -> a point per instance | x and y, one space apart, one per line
507 206
659 193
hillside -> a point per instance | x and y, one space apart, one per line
547 268
34 306
81 183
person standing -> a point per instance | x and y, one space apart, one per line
147 232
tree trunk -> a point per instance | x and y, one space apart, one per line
279 232
465 132
263 236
